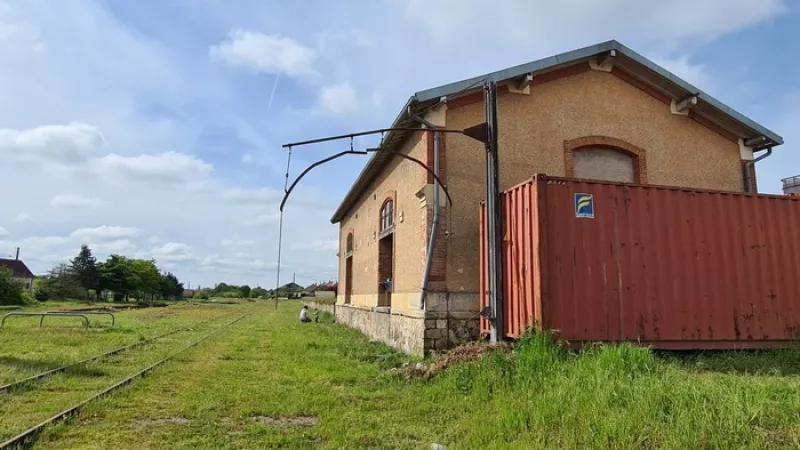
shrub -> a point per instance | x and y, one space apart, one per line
201 295
10 290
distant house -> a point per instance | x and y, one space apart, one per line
187 293
291 290
327 290
310 291
19 272
321 290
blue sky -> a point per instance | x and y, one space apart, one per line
150 127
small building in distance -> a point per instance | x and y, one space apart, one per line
791 185
19 271
321 290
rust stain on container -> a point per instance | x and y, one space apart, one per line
669 267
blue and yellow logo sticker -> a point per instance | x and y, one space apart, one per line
584 206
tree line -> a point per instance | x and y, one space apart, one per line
232 291
118 276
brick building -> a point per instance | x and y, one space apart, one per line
602 112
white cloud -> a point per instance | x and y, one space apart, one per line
169 167
534 23
262 220
4 232
338 99
75 201
264 53
695 74
173 251
105 232
17 30
64 144
119 247
262 195
328 245
237 243
247 158
24 217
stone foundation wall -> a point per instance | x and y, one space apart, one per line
449 319
402 332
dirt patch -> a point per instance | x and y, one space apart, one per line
286 421
161 421
459 355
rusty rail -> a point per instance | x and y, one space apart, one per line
29 436
105 313
11 386
42 315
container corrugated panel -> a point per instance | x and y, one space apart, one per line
670 267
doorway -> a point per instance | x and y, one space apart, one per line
385 270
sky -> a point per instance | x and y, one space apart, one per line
153 128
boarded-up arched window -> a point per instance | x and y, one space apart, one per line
387 216
605 158
604 164
349 244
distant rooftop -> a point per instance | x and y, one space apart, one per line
791 185
17 268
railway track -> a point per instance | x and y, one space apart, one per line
40 376
29 436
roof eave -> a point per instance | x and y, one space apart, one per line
461 87
354 191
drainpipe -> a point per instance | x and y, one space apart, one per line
748 178
435 222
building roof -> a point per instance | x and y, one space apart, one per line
311 288
17 268
291 287
625 59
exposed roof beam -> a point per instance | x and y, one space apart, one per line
756 141
686 104
606 57
524 81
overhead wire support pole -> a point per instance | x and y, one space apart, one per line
366 133
280 229
478 132
494 221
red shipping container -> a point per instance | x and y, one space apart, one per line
669 267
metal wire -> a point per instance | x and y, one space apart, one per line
280 228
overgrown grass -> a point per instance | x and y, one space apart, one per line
271 382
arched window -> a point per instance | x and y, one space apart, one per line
607 164
349 243
387 216
605 158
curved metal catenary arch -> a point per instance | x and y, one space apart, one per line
361 152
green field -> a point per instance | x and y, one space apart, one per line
268 381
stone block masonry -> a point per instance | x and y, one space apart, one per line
449 320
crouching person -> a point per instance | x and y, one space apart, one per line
304 314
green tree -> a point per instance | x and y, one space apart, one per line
117 275
171 288
244 291
258 291
10 290
59 283
84 267
145 277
